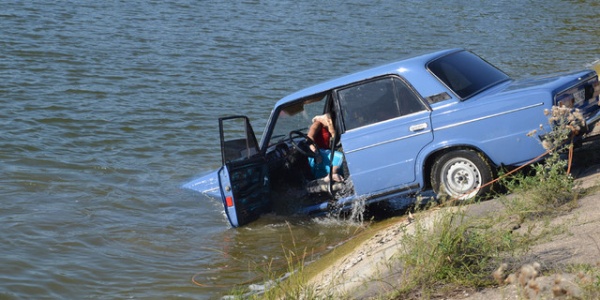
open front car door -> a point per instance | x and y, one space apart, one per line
244 176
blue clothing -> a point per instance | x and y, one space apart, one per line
321 170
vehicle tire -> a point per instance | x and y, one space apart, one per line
461 174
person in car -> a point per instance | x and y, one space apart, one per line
322 132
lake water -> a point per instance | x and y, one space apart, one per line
108 107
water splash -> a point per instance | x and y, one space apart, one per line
357 213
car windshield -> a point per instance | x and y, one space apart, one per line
465 73
297 116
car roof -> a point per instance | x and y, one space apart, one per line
411 68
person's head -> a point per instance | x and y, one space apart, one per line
325 120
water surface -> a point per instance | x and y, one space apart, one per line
108 107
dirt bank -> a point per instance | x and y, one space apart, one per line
369 270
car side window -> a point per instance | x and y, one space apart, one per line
376 101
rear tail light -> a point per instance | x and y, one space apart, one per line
566 101
577 96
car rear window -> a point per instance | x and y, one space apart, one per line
465 73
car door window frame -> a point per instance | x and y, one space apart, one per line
355 114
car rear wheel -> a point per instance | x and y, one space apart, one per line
461 174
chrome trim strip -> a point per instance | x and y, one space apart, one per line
388 141
490 116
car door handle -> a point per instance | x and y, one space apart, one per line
418 127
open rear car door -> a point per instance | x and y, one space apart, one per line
244 176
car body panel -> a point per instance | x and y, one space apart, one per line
479 127
368 151
207 184
244 189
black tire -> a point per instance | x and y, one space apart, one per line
461 174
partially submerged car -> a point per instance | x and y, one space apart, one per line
444 121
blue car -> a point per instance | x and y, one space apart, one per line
442 122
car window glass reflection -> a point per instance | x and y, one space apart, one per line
377 101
